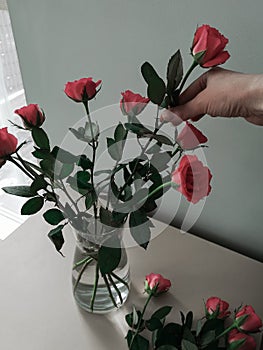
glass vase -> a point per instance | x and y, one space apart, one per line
93 291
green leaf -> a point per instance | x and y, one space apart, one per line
140 228
161 139
38 184
189 319
187 345
160 161
103 171
113 149
137 129
84 134
109 257
47 165
174 72
53 216
208 338
120 133
135 316
84 162
41 153
56 237
188 335
132 319
171 334
154 149
105 216
156 86
40 138
153 323
139 342
32 206
63 155
90 199
21 191
65 170
162 312
69 211
198 327
83 178
167 347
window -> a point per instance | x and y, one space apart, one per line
11 97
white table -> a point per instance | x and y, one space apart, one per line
37 310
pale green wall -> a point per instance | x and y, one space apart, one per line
60 40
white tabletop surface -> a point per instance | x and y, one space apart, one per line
38 312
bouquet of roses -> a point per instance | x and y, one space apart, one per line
214 332
72 185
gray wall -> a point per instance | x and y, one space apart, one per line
61 40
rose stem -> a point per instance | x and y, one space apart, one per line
140 319
120 280
95 287
80 274
109 290
116 288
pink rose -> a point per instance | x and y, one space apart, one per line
132 104
8 144
217 307
82 90
193 178
156 284
31 115
249 342
211 43
190 137
252 323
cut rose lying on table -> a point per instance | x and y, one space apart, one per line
216 330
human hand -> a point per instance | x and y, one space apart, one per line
220 92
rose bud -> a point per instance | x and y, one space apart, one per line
192 178
216 308
156 284
8 144
132 104
31 115
208 47
190 137
82 90
241 341
251 323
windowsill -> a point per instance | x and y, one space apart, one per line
10 221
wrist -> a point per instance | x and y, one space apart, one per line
254 96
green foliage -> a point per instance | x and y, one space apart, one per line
38 184
139 342
85 134
21 191
63 156
84 162
140 228
53 216
162 312
156 87
40 138
109 255
174 75
32 206
56 236
116 145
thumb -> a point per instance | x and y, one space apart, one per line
193 109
